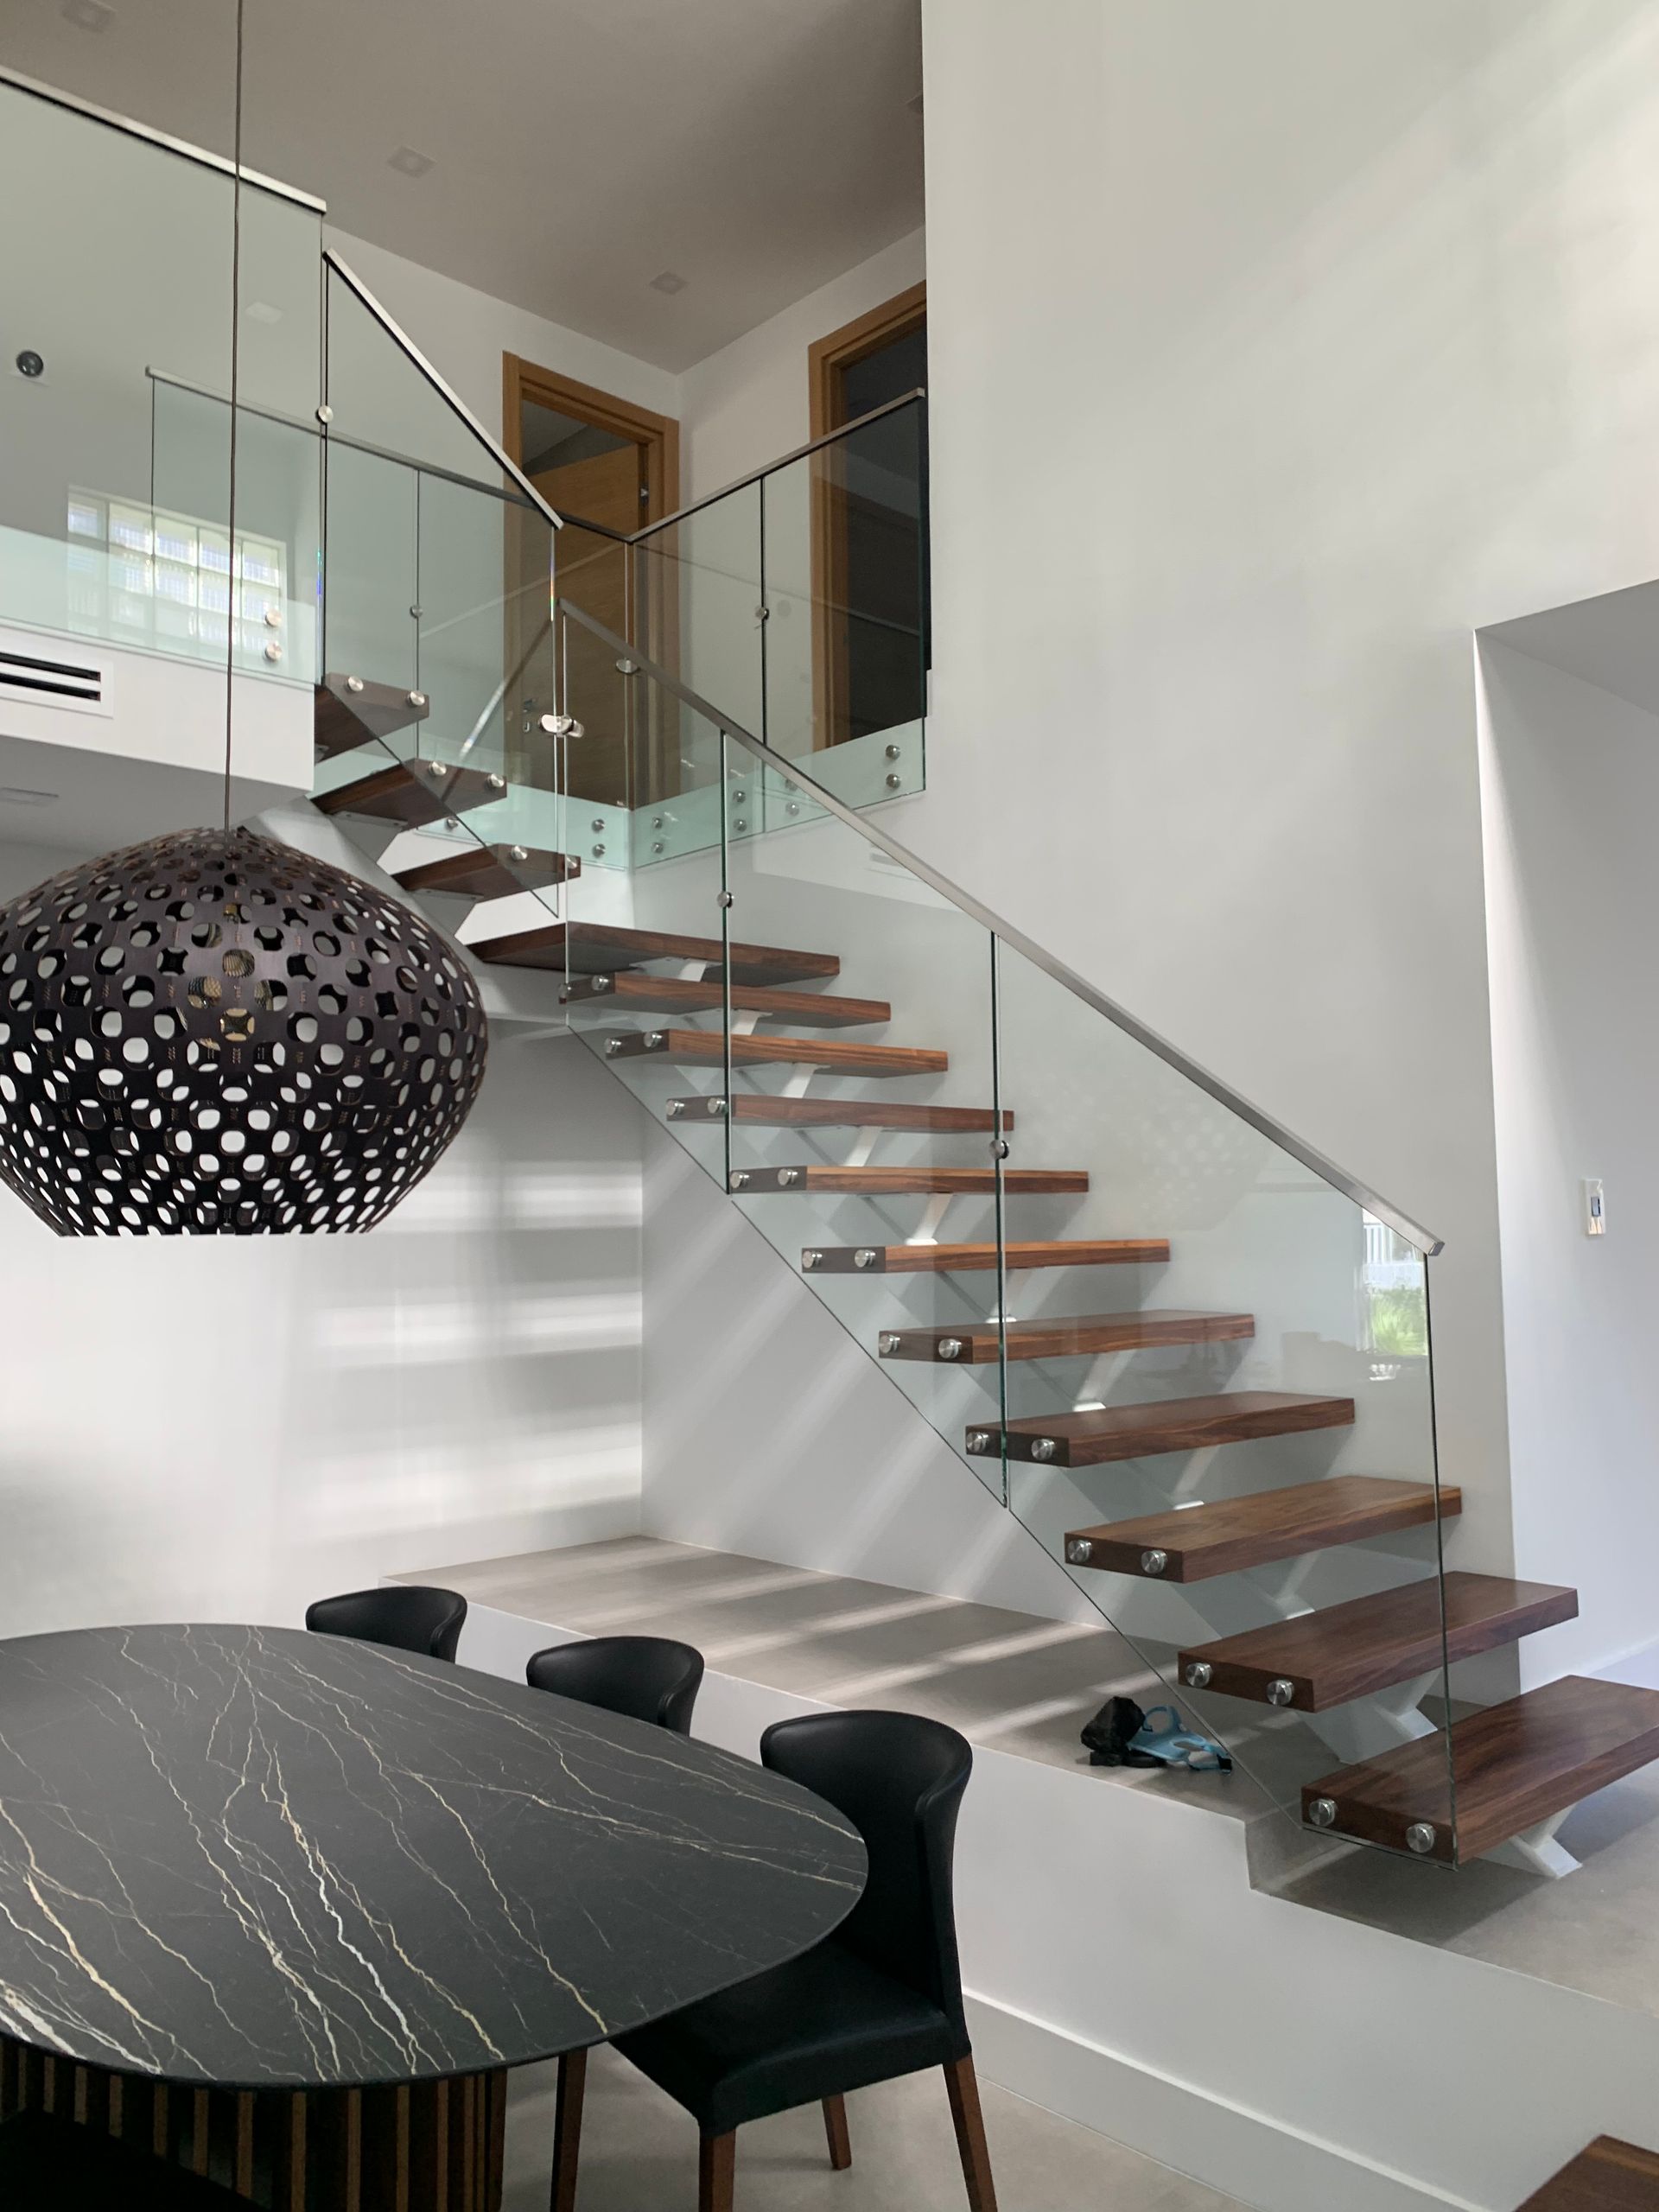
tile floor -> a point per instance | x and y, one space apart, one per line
640 2154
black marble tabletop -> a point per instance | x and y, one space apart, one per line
257 1858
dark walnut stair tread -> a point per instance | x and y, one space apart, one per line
489 872
713 1048
764 1111
1610 2176
975 1343
951 1259
1228 1534
902 1182
1093 1438
684 994
599 949
1515 1765
413 793
343 718
1328 1658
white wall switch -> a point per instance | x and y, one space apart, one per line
1595 1211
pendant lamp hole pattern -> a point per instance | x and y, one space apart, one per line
213 1034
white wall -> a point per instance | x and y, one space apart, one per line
1570 781
221 1428
1272 349
749 403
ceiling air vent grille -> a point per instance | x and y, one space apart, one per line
24 677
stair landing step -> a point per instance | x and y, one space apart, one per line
599 949
684 994
975 1343
951 1259
413 793
900 1182
1198 1543
1370 1643
344 718
713 1048
1515 1764
1109 1432
489 872
1610 2176
764 1111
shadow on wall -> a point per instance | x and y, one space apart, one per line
222 1429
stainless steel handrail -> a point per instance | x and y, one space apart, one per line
133 129
313 430
1420 1238
457 405
784 460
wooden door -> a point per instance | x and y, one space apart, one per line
593 574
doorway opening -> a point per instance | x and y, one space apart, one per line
870 580
608 467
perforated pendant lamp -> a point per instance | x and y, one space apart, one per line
213 1034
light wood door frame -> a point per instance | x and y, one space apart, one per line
826 359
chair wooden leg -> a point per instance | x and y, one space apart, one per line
716 2171
567 2129
963 2088
834 2128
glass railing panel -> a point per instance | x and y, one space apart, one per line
371 566
1219 1412
615 765
862 1120
176 593
697 601
379 395
846 596
123 266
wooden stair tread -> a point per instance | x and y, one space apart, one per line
413 793
1608 2177
1200 1542
713 1048
684 994
1370 1644
1109 1432
951 1259
598 947
766 1111
1515 1764
489 872
342 719
899 1182
1067 1336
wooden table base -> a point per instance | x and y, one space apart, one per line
435 2146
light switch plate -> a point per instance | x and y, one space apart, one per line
1595 1211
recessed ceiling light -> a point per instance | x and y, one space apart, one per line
87 15
17 795
408 162
263 311
668 281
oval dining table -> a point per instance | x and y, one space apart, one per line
286 1908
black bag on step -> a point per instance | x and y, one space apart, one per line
1108 1735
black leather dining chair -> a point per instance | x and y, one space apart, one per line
409 1616
880 1998
49 2164
644 1677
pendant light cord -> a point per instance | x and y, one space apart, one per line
232 601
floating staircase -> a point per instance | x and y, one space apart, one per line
653 999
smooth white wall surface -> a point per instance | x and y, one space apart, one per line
223 1428
1273 350
1570 786
749 403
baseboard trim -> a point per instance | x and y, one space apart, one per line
1243 2153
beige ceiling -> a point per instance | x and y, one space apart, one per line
756 148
